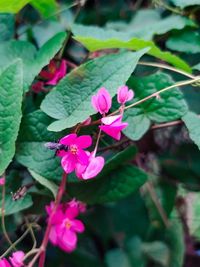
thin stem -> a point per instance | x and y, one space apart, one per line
42 250
15 243
167 124
157 203
3 218
156 94
163 66
31 252
29 226
97 142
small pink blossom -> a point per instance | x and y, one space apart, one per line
17 259
2 181
102 101
93 168
87 121
4 263
67 231
65 226
124 95
75 153
54 73
113 126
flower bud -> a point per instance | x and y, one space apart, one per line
102 101
124 95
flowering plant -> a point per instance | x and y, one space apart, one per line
99 139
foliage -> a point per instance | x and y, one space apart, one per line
138 203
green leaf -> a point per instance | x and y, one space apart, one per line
32 61
12 206
48 184
168 107
45 7
187 42
10 111
196 67
185 3
117 258
70 101
12 6
97 38
175 240
31 151
7 23
158 252
192 122
120 183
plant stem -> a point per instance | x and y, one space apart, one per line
156 201
42 250
163 66
3 218
156 94
15 243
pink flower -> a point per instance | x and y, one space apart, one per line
4 263
67 231
2 181
113 126
54 73
124 95
65 226
17 259
78 204
93 168
75 153
87 121
102 101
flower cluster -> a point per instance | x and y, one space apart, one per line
64 225
51 76
71 148
112 125
17 260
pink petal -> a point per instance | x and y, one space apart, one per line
4 263
107 96
94 102
84 141
71 212
130 95
94 168
115 131
2 181
17 259
53 237
78 226
54 80
61 153
68 241
62 69
111 119
79 170
68 162
68 139
82 157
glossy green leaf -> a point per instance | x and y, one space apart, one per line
192 122
97 38
169 106
186 41
48 184
10 111
32 60
70 101
31 151
45 7
12 206
118 184
12 6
